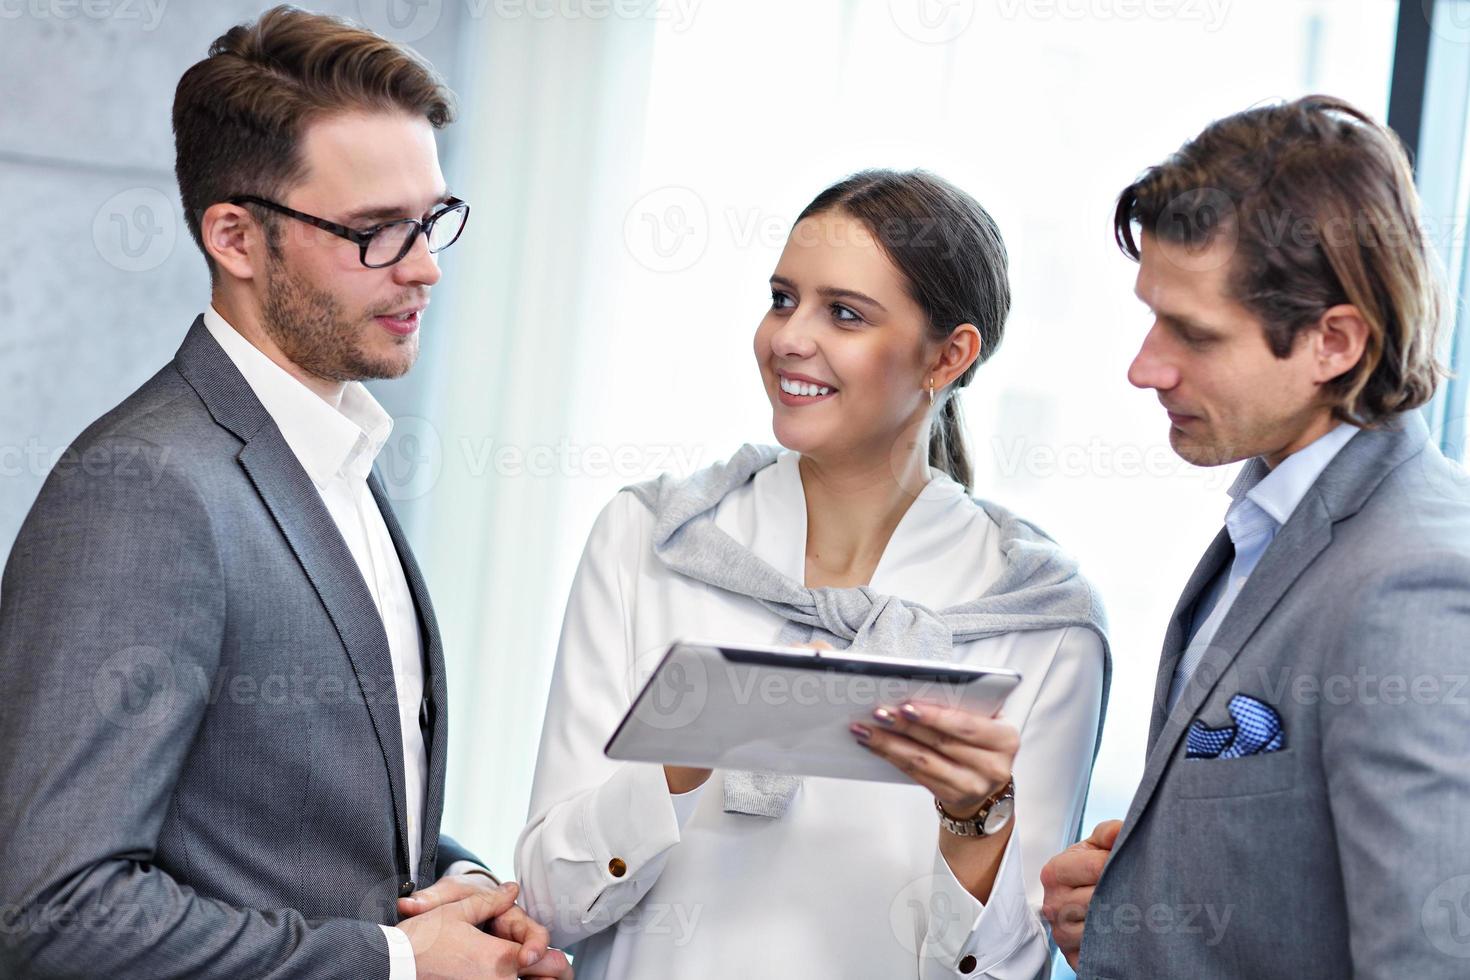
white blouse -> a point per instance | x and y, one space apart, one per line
849 882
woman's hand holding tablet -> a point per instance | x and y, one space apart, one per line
791 710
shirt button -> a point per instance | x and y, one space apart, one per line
967 965
617 867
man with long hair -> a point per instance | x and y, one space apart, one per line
1305 804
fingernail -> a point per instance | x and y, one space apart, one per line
885 717
909 712
861 732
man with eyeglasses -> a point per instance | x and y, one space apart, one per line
223 750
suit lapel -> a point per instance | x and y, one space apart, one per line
297 508
434 683
1295 546
1219 553
1340 492
302 517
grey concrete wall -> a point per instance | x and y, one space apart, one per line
99 279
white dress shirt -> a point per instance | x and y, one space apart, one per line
337 445
849 882
1262 501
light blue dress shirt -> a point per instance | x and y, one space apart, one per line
1262 500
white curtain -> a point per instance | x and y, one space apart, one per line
551 110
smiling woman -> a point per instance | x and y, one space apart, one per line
934 269
860 535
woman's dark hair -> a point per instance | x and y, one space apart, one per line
950 252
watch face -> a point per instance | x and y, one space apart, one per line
999 815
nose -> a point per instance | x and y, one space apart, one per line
1150 368
793 337
419 267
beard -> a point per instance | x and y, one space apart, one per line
311 328
1220 444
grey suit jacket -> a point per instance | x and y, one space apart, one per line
1346 853
201 768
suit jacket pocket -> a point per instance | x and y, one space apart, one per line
1251 775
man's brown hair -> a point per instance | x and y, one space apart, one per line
239 114
1318 200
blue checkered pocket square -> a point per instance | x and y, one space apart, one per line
1257 729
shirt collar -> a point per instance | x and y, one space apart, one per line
328 440
1279 491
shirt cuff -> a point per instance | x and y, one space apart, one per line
632 823
400 954
467 867
1003 937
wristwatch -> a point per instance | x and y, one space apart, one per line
991 819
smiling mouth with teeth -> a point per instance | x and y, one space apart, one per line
804 389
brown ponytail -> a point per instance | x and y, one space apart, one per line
947 450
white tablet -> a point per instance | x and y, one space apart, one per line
785 709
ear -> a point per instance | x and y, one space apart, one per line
956 353
1339 339
234 239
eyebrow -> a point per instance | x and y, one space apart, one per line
833 292
1180 320
376 213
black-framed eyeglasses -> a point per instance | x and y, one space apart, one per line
383 245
